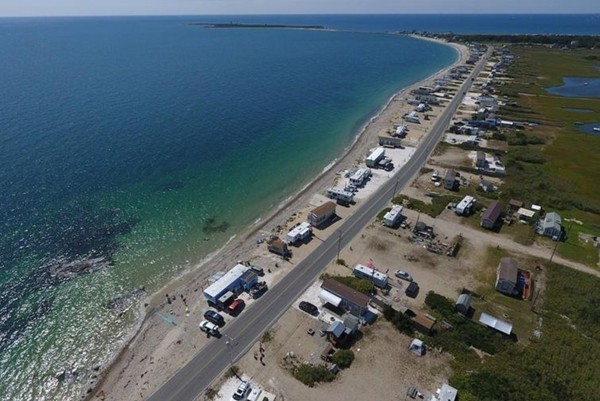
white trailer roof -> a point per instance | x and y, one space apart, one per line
330 298
495 323
465 202
376 154
228 278
526 212
393 214
376 274
299 230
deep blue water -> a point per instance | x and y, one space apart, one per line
577 87
148 142
137 146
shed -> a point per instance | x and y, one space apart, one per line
321 214
450 179
487 186
507 275
525 214
491 215
423 324
423 230
463 304
278 247
515 204
446 393
495 323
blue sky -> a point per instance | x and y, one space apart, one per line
198 7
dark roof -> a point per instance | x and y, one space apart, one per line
515 203
508 270
450 175
423 321
325 208
492 212
249 276
345 292
277 243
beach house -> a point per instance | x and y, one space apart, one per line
491 215
321 214
550 226
507 275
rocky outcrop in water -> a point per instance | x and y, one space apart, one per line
124 302
61 270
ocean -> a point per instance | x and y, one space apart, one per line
131 148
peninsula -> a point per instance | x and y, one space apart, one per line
264 26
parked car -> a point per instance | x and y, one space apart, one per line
412 290
209 328
214 317
236 307
403 275
242 391
309 308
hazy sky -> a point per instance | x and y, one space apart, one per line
159 7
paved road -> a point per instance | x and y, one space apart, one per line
193 379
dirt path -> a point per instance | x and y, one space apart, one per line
483 238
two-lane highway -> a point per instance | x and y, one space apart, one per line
192 380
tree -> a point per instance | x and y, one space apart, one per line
343 358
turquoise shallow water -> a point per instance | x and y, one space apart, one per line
133 147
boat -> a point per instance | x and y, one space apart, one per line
597 129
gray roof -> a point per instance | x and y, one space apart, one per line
337 328
450 175
551 220
464 299
492 212
508 269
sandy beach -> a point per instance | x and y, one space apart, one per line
168 337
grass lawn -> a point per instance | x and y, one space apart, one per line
434 209
560 174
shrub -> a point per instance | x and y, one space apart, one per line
400 320
382 213
343 358
310 375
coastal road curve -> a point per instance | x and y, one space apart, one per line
196 376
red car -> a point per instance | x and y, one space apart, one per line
236 307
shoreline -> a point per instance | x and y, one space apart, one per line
189 280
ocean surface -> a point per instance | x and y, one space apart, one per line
131 148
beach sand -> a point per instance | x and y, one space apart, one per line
159 348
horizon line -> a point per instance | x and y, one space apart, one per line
279 14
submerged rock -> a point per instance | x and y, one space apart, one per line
124 302
61 270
